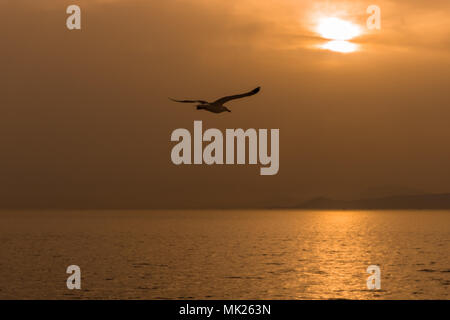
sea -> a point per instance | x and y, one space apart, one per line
225 254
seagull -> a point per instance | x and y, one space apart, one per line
217 106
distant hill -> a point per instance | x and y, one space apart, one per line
384 191
426 201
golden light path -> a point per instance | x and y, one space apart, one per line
339 32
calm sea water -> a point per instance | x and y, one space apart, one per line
225 254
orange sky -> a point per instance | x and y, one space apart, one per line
86 121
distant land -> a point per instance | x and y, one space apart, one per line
425 201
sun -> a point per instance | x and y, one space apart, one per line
337 29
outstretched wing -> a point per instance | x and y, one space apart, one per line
238 96
190 101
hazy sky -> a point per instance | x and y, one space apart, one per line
86 121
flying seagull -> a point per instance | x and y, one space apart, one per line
218 105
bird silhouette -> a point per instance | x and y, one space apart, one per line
218 105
